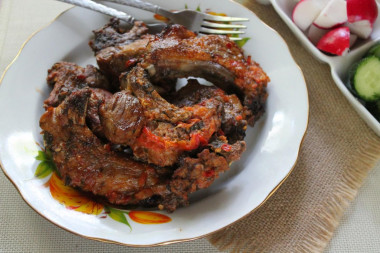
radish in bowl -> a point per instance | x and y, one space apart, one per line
323 22
333 15
362 15
336 41
306 11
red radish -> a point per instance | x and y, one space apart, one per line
306 11
336 41
315 34
334 14
362 15
358 10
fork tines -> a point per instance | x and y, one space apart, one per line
217 31
225 26
224 18
210 22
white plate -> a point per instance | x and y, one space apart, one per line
273 144
339 65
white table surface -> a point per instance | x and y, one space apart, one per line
22 230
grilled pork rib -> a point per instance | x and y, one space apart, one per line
86 163
178 52
122 132
66 77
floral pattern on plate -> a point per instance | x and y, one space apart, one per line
78 201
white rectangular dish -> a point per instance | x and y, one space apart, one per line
339 64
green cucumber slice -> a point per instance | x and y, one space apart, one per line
367 79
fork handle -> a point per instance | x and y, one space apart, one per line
88 4
144 6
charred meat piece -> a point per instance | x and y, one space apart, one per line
234 116
115 55
213 57
155 107
66 77
163 143
122 118
112 34
170 130
117 59
96 99
177 52
192 175
84 162
221 146
117 49
148 144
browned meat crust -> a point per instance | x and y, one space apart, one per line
155 107
117 49
122 118
66 77
195 174
83 161
178 52
135 146
97 98
112 34
171 130
234 116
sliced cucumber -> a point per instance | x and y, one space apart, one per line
366 79
375 50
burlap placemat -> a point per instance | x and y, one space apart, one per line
337 153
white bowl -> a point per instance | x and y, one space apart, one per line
339 64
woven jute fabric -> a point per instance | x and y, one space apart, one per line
337 153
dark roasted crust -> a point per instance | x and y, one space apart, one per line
122 118
84 162
170 130
148 144
192 175
215 58
234 117
178 52
112 34
66 77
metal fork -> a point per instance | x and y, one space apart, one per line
193 20
88 4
